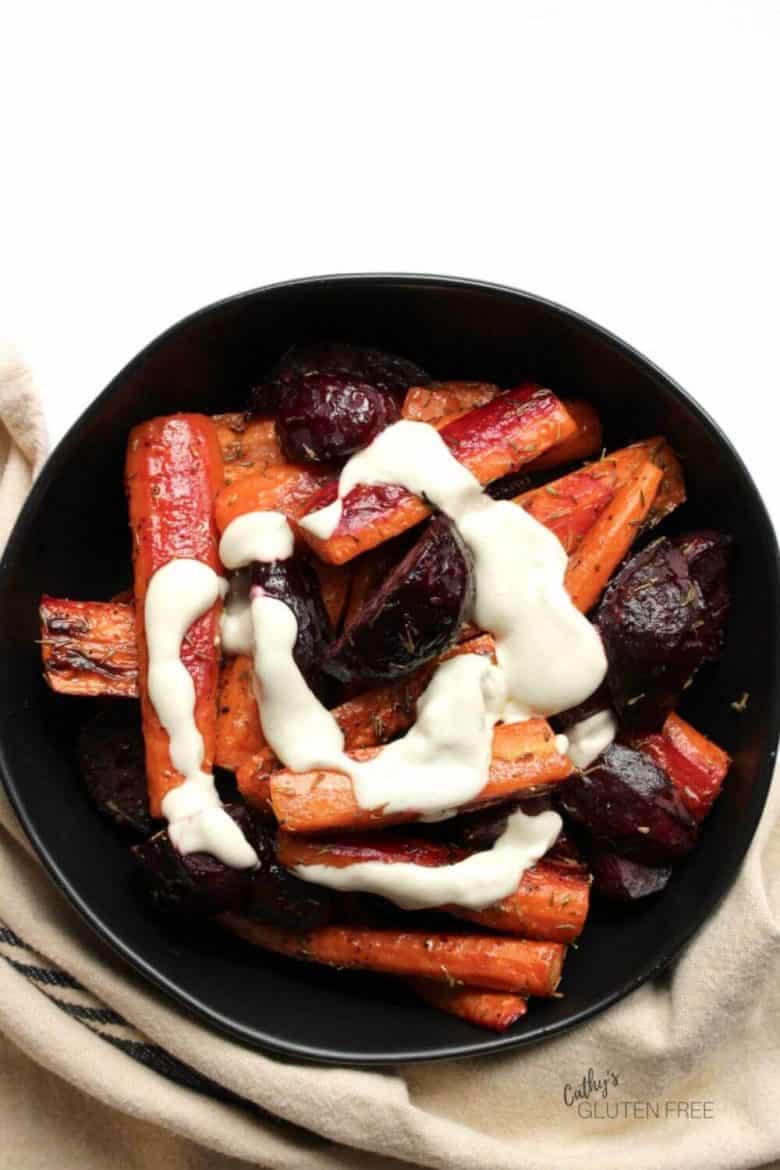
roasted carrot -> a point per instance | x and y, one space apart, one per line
585 441
249 444
550 903
173 471
335 585
443 402
494 1010
253 778
239 731
88 647
489 961
491 441
283 487
696 766
525 760
569 506
607 542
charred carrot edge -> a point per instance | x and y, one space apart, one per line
489 961
585 441
239 731
442 402
284 488
88 647
525 759
494 1010
249 444
696 766
607 542
491 441
550 903
173 471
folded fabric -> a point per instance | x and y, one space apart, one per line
684 1073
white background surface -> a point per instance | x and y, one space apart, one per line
618 157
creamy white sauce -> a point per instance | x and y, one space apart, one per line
549 658
177 595
552 656
589 737
476 882
256 536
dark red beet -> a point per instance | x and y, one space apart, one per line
294 582
278 896
385 371
661 618
630 806
111 755
195 883
328 416
414 615
621 880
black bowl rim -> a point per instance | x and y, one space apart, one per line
256 1038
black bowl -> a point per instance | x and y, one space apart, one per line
72 541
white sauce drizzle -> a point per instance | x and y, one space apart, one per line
589 737
475 882
551 654
177 595
549 658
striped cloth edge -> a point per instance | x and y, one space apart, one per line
72 998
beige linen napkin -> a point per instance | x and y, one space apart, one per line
699 1048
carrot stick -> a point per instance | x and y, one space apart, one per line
491 441
443 402
585 441
283 487
494 1010
173 471
604 546
253 777
335 584
239 731
550 903
525 760
249 445
495 963
570 506
696 766
88 647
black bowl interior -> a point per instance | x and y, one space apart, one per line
72 540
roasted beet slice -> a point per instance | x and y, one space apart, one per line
295 582
661 618
630 806
328 416
195 883
621 880
385 371
278 896
113 764
414 615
